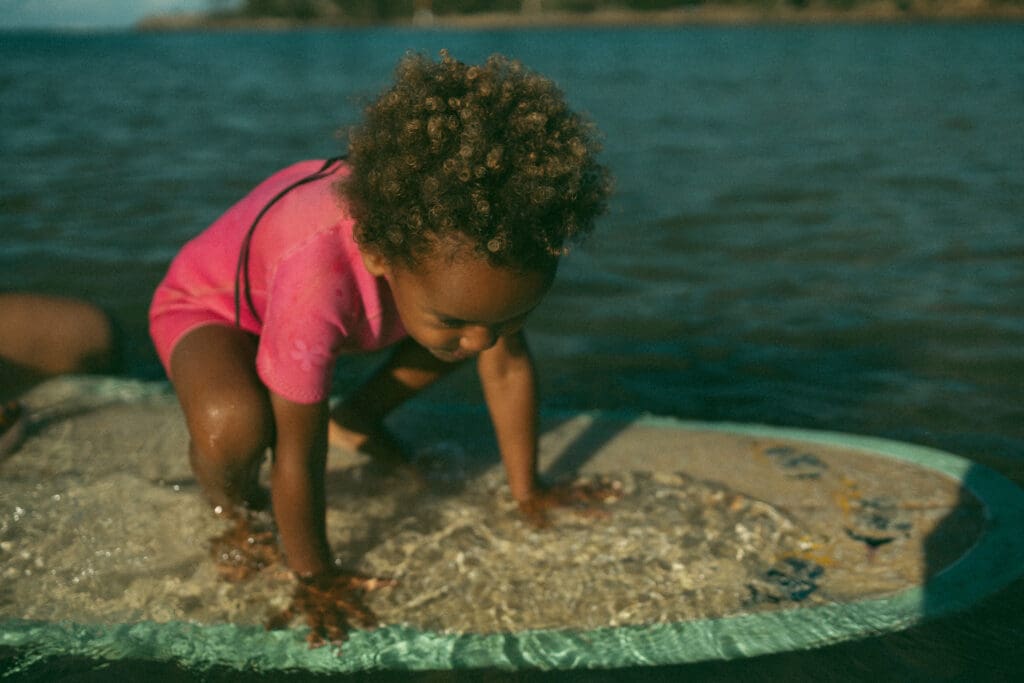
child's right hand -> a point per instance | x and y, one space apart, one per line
332 604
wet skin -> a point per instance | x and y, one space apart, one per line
454 306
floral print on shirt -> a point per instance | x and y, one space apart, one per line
309 357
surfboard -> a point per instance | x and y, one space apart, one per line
728 541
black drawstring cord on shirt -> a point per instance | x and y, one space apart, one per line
242 269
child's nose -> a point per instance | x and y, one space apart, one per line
478 338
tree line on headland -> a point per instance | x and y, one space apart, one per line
271 13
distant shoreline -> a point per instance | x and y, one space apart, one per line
872 11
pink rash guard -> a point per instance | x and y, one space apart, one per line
313 296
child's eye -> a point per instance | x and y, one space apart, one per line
451 323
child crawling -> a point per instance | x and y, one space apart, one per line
438 234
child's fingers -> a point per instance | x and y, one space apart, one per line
332 604
281 620
356 612
317 637
533 510
318 629
599 491
328 626
349 603
583 497
605 491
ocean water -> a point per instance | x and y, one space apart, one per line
817 227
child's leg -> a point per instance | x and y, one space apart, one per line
357 422
227 410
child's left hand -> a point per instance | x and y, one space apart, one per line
583 497
332 604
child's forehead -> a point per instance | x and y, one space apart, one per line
471 289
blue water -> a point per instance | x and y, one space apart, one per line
816 227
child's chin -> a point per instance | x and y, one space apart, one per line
449 356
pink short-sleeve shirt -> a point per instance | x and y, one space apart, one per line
313 297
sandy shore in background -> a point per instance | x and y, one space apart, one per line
880 11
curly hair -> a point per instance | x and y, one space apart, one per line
490 154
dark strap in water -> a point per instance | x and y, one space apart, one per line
242 269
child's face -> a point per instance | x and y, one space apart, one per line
457 308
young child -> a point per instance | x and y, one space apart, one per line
441 232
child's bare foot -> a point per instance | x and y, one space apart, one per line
354 431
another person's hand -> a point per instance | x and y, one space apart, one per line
584 497
332 604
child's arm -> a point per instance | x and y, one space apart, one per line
509 383
510 388
330 600
297 484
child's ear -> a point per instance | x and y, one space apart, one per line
375 263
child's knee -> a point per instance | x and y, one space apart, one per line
231 431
